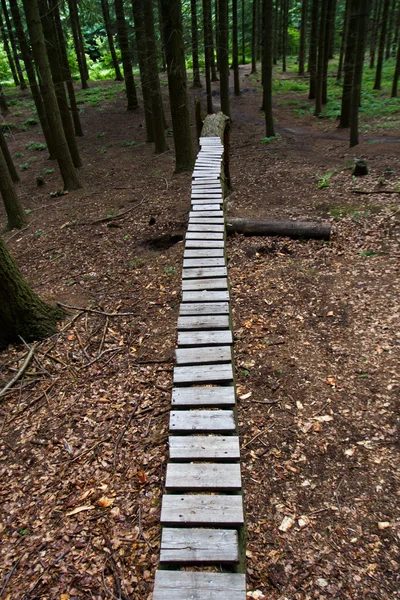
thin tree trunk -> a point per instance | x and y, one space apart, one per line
243 34
67 169
107 23
207 52
125 54
235 49
175 53
313 49
267 66
344 37
348 68
3 102
258 30
253 38
77 36
362 17
285 9
7 156
8 51
214 76
223 57
162 40
13 46
303 29
397 67
381 50
216 23
375 30
331 49
391 21
15 214
140 34
321 58
195 45
330 16
276 33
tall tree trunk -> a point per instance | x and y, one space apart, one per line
107 23
397 67
175 52
381 50
8 51
348 69
285 9
140 35
65 68
216 25
125 54
276 33
13 45
243 34
313 49
7 156
223 57
362 18
195 45
22 313
253 37
214 76
3 102
15 214
207 53
303 29
54 55
235 49
154 82
374 31
267 66
258 30
67 169
331 48
30 71
77 36
321 58
330 16
345 29
391 21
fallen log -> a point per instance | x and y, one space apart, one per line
292 229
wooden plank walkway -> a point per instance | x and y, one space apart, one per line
202 510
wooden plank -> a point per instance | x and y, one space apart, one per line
204 272
220 283
205 296
206 175
204 244
203 477
203 374
204 235
204 338
206 227
204 322
201 186
204 253
206 421
203 355
217 213
204 447
202 204
204 308
183 585
203 220
201 509
207 195
204 546
204 262
197 397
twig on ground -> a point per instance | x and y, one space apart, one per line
354 191
337 494
88 450
121 435
20 372
258 435
141 529
20 231
95 360
103 339
97 312
35 401
8 577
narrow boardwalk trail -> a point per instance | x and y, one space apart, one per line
202 547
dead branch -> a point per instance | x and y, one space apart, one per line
8 577
88 450
121 435
375 191
20 372
95 360
93 310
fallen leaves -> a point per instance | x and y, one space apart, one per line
78 509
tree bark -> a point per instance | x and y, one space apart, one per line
303 29
175 54
285 9
253 38
292 229
15 215
3 102
391 21
107 23
13 46
349 67
397 67
67 169
195 45
374 32
140 35
313 49
8 51
362 13
235 49
223 57
7 156
207 52
243 34
381 49
330 17
344 37
125 54
79 48
214 76
321 59
267 67
22 313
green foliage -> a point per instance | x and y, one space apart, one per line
170 271
126 143
48 171
324 180
31 121
272 138
36 146
25 166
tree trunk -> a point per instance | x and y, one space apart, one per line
292 229
349 67
362 17
397 67
77 36
214 76
67 169
381 50
391 21
154 82
276 33
7 156
123 41
253 38
195 45
243 34
223 57
175 53
235 49
331 48
54 55
66 71
3 102
207 53
30 71
22 313
15 214
285 9
303 29
313 49
374 32
344 37
8 51
258 30
140 35
107 24
321 59
267 67
330 17
13 46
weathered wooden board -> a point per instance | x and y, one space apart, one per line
183 585
204 220
206 227
204 546
204 272
215 214
204 447
204 338
204 235
220 283
204 244
205 204
206 180
201 509
207 173
210 195
204 262
203 374
197 397
204 253
203 355
199 186
215 421
205 296
204 308
203 322
203 477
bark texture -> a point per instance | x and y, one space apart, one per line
292 229
223 56
15 214
126 57
107 23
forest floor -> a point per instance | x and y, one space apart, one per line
83 434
